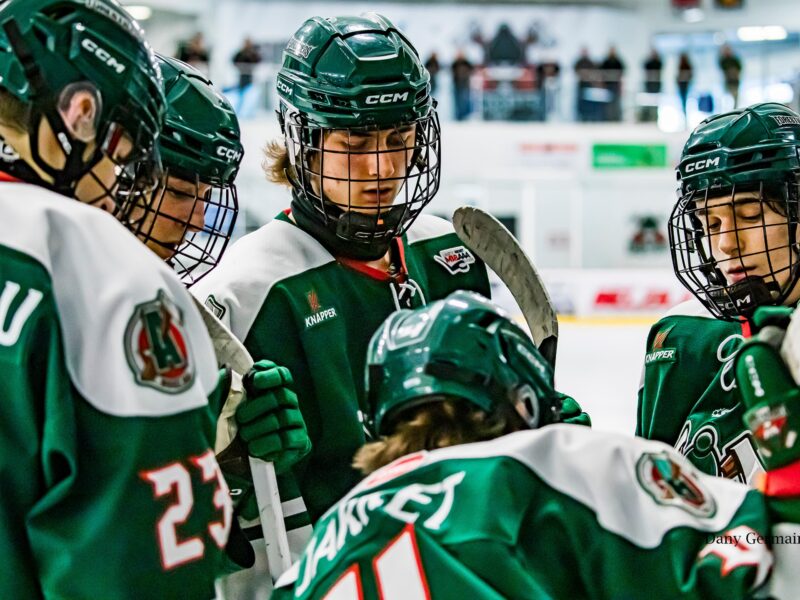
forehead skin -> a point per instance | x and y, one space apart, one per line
704 205
345 134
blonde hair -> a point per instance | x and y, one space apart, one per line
14 112
276 162
437 425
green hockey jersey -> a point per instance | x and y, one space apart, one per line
688 394
291 301
561 512
110 486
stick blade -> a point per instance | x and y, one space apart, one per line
495 246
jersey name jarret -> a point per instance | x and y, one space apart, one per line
64 235
352 517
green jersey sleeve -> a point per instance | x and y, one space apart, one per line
561 512
688 393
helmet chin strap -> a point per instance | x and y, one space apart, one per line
743 297
375 244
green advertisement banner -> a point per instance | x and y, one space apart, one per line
629 156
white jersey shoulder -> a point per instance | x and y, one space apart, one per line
689 308
103 281
236 290
612 475
427 227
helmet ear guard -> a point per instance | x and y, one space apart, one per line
51 53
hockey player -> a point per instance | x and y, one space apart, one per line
111 488
190 218
559 512
733 237
307 290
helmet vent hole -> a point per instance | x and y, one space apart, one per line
316 96
700 148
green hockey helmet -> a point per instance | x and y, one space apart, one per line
460 347
200 146
733 161
355 77
50 49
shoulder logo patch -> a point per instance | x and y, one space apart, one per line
456 260
661 337
216 307
658 353
157 348
671 483
318 314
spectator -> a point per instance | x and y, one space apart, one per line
194 52
684 79
547 73
462 72
612 69
432 64
585 71
652 86
245 61
731 68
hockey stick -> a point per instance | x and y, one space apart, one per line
494 245
231 351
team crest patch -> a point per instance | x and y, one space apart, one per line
456 260
671 483
156 346
216 308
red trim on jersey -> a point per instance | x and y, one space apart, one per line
746 330
377 274
783 482
287 212
9 178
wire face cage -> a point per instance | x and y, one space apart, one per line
187 223
735 248
372 182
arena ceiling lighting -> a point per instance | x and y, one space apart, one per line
761 34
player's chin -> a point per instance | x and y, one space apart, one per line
164 250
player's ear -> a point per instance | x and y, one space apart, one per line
79 109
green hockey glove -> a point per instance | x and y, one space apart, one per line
269 419
572 413
772 399
765 316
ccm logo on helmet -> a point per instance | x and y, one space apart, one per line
103 55
286 89
228 153
701 165
387 98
